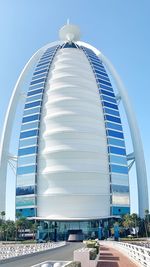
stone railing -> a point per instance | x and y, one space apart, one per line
18 250
140 255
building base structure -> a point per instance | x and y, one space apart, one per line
74 230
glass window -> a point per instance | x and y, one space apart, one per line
35 77
115 134
99 68
95 58
49 51
104 82
112 118
119 188
31 118
110 105
25 201
28 142
95 64
31 111
33 98
120 210
27 151
113 126
44 63
100 72
29 134
46 59
117 150
120 179
22 161
95 61
92 55
103 77
25 190
69 45
26 180
116 142
40 71
33 104
38 81
47 56
31 212
31 125
107 93
35 92
109 99
112 112
120 199
37 86
119 169
106 87
26 169
42 67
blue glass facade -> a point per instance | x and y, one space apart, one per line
26 202
115 139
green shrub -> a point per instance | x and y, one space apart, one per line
90 244
74 264
93 254
97 248
93 244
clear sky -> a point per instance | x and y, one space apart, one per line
119 28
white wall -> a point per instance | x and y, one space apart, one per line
73 175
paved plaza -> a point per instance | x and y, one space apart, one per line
32 254
110 257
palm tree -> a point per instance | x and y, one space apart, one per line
130 221
136 222
10 230
33 228
146 222
2 215
18 215
20 226
127 221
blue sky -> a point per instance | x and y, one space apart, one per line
119 28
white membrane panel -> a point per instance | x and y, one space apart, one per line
73 173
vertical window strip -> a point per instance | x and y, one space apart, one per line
91 56
52 51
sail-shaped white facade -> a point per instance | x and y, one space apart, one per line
73 164
72 148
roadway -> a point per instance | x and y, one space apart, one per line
62 253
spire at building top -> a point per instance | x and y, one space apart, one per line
69 32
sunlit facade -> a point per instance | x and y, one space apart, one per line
72 159
72 169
